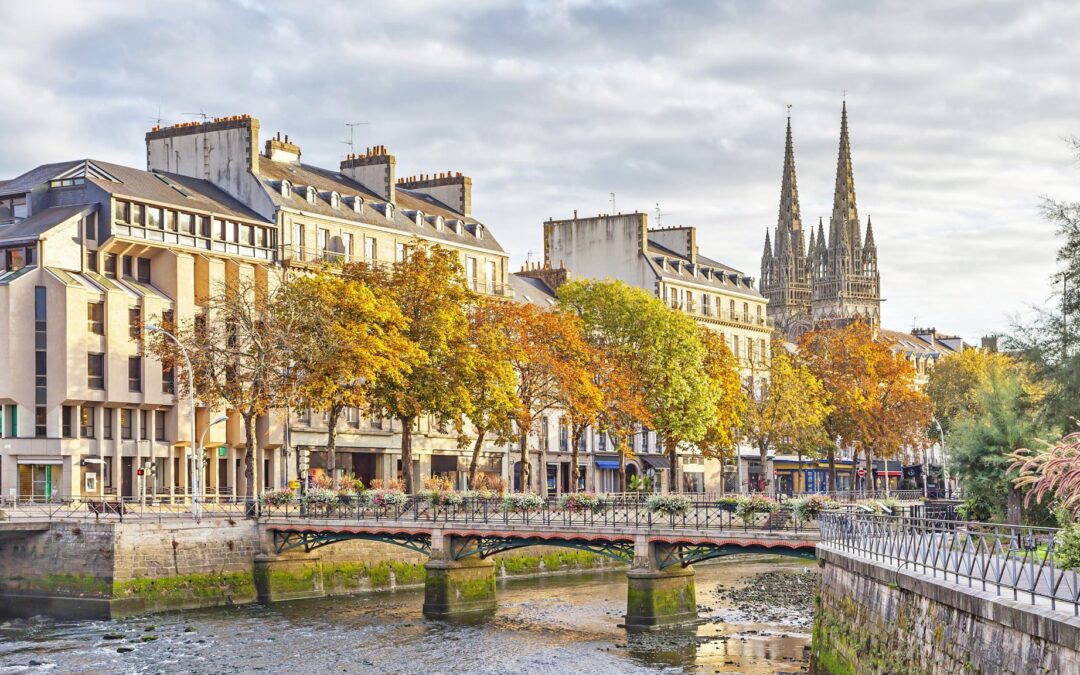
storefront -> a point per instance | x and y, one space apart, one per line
39 478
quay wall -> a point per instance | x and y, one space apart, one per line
876 618
108 569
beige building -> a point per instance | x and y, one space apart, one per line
667 263
92 250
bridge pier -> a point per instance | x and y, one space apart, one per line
461 588
288 577
658 597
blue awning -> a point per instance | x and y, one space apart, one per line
601 464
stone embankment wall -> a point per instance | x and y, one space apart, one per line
102 569
873 618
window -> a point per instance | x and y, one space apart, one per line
335 200
12 208
168 380
143 268
470 272
153 218
298 238
95 371
144 425
323 240
90 227
219 229
135 373
67 416
186 222
125 424
286 188
41 417
399 252
352 417
170 221
564 435
346 244
127 266
91 261
106 423
136 214
370 249
95 317
735 345
705 304
123 212
746 311
159 425
310 195
246 234
491 276
86 421
204 226
110 265
731 309
134 324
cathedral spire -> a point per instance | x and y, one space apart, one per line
768 245
844 225
789 220
820 233
869 234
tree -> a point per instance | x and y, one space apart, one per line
786 411
983 441
582 400
490 377
237 349
347 338
429 288
724 432
955 381
667 356
549 358
870 389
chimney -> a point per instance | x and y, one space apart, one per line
278 150
374 170
551 276
223 151
452 189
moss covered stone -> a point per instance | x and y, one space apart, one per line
660 598
456 588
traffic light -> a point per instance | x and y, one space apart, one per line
140 472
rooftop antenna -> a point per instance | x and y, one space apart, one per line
528 257
201 114
660 214
352 141
159 119
612 202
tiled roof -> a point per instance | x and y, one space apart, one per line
29 229
687 276
532 291
326 180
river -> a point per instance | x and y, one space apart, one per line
563 624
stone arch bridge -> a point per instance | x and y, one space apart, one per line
461 578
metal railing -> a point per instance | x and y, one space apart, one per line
702 516
111 508
1005 559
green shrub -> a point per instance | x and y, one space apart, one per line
1067 548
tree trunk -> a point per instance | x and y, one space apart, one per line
671 446
832 470
543 467
800 474
764 453
251 468
870 470
622 472
332 416
523 471
406 453
480 433
575 471
1013 511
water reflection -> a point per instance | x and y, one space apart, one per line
549 625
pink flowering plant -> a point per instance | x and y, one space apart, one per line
581 502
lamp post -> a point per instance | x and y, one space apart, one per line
202 445
195 511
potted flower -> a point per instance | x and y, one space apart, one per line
728 504
581 502
383 498
668 505
320 498
279 498
748 507
811 508
523 502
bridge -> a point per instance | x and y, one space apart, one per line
659 549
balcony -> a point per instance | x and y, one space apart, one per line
708 314
490 287
195 241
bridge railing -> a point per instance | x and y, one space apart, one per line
112 508
1008 560
704 515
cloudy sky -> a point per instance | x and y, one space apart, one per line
957 110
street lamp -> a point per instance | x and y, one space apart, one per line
202 445
191 401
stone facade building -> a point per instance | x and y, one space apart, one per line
90 250
828 281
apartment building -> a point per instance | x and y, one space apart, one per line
89 251
666 262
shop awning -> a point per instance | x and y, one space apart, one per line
40 460
655 461
608 461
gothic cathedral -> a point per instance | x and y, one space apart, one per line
830 281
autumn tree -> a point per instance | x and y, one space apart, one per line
582 401
429 289
724 432
663 347
786 410
549 357
954 383
347 338
490 378
237 349
875 406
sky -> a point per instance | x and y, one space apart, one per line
958 113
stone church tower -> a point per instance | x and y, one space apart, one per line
836 279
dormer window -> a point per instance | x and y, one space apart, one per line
310 195
479 231
418 217
13 208
286 189
335 200
389 210
456 226
357 204
439 221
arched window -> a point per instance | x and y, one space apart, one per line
358 204
335 200
310 195
286 188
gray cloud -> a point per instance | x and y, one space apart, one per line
957 113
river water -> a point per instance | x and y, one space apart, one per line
561 624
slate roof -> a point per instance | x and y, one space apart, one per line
325 180
687 276
29 229
532 291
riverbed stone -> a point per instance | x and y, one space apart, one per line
658 598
